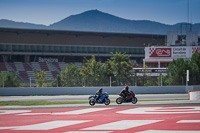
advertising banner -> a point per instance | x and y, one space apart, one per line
160 52
180 52
171 52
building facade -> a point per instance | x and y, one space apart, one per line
25 51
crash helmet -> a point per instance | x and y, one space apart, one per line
127 88
101 89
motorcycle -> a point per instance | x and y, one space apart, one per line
102 100
130 98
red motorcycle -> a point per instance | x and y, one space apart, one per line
130 98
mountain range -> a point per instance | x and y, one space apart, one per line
97 21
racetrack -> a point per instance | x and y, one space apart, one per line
107 119
165 115
85 97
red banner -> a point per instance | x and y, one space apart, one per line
160 52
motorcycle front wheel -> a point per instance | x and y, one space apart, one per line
92 102
107 101
119 100
134 100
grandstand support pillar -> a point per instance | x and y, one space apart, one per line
3 58
161 82
135 79
110 81
35 57
158 64
27 58
57 81
30 82
3 79
144 64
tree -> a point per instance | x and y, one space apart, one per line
150 82
120 67
92 71
41 79
195 69
70 77
155 81
57 81
162 79
176 72
10 79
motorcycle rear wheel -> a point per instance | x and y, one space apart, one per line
134 100
119 100
92 102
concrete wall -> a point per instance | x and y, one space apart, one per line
92 90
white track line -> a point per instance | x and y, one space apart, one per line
2 128
81 111
161 110
122 125
167 131
88 132
35 114
5 112
73 112
49 125
189 121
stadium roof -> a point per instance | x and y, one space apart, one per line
78 33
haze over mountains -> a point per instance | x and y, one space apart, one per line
97 21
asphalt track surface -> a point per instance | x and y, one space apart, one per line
85 97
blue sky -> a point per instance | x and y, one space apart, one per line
50 11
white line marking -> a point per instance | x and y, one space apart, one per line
122 125
81 111
161 110
74 112
49 125
35 114
88 132
140 110
167 131
188 121
2 128
5 112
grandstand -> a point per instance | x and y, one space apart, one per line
25 51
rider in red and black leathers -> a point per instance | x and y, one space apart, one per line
124 92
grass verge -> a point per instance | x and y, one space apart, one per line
31 103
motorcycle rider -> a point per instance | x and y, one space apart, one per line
124 92
98 94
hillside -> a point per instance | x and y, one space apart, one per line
97 21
